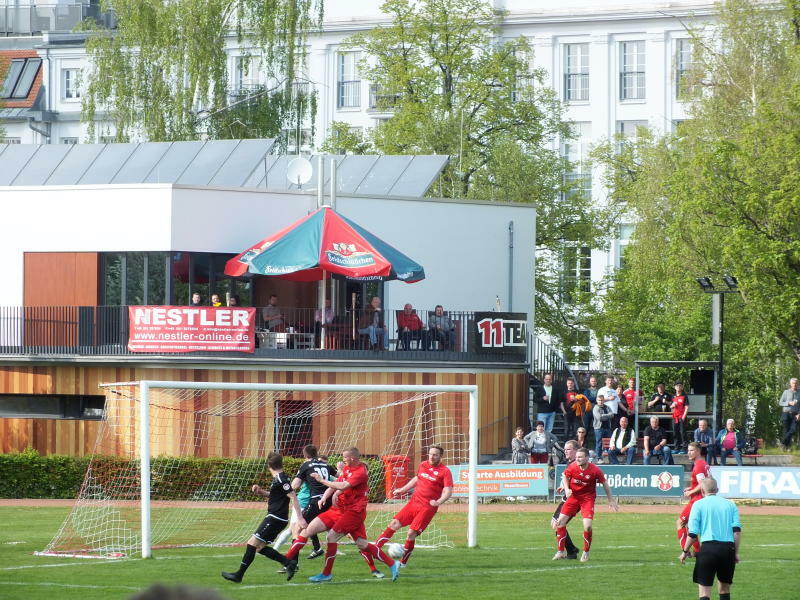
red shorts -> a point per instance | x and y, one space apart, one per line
347 522
572 505
688 509
417 515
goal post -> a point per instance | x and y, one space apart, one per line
282 417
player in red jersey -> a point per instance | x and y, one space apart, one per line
346 516
433 486
700 471
579 481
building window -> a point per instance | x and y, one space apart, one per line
577 348
632 71
576 72
578 177
628 131
70 80
161 278
69 140
290 139
247 74
380 101
576 275
683 62
20 77
51 406
625 234
348 84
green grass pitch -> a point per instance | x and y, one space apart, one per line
633 556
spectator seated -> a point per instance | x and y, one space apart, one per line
410 329
441 330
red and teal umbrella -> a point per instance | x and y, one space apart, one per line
321 245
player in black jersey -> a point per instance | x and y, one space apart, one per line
280 495
313 464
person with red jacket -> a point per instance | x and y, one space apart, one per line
680 410
410 327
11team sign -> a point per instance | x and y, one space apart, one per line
191 329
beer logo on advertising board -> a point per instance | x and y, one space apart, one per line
347 255
664 481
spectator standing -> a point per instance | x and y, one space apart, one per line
233 300
602 424
660 401
215 301
540 443
790 411
655 443
590 393
609 392
197 299
704 437
271 315
520 452
623 442
631 396
715 521
730 441
549 398
680 410
570 399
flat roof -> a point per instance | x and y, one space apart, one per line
678 364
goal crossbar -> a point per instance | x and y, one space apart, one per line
146 385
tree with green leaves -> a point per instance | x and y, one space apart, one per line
719 197
162 73
452 87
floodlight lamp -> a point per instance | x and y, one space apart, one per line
705 283
731 282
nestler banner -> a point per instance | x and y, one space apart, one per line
191 329
640 480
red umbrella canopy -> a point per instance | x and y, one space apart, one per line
321 244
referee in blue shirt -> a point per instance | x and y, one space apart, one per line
716 521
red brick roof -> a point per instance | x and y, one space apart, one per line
6 56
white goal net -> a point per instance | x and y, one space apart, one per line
174 462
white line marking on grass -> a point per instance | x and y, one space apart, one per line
13 543
450 575
72 585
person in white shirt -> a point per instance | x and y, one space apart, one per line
609 392
623 442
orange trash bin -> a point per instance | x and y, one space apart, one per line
395 472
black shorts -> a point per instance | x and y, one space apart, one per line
270 528
715 559
311 511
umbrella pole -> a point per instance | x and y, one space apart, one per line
323 324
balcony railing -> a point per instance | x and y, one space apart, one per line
34 19
44 331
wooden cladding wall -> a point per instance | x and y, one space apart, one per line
503 400
61 279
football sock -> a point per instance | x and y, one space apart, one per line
409 547
247 559
330 556
708 598
379 554
725 596
273 554
570 547
297 545
561 534
683 533
385 537
315 542
368 559
587 540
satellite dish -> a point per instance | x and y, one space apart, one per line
299 171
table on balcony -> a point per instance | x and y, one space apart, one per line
285 339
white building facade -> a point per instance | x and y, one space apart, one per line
616 66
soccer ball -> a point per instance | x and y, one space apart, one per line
395 550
